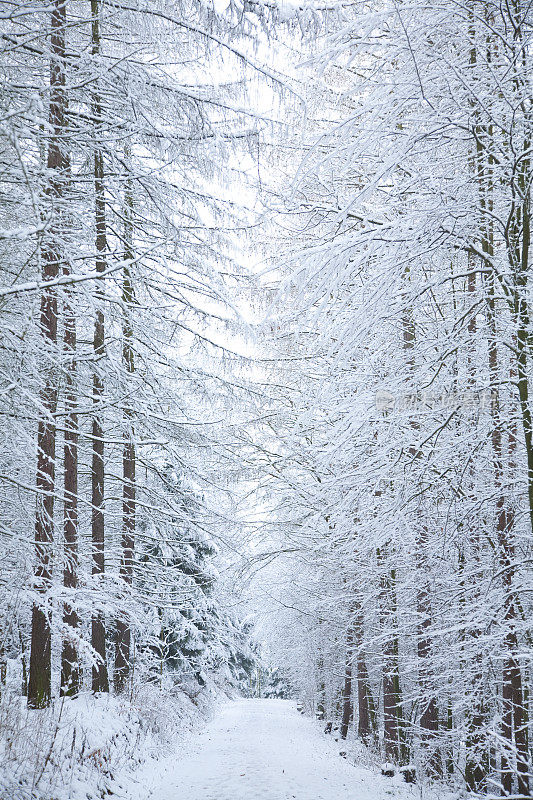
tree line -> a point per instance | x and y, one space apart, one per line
118 125
401 481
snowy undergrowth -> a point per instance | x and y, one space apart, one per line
86 748
361 757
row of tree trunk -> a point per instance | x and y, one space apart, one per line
54 264
514 764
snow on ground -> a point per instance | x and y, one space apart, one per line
263 750
89 747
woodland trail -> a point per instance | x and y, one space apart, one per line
265 750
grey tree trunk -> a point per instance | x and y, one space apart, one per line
429 717
392 705
100 679
347 701
39 684
123 630
70 666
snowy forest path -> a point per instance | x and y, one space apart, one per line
265 750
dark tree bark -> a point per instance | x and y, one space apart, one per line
321 685
366 726
394 751
100 679
518 241
513 675
476 749
3 663
366 712
512 728
429 718
70 666
123 630
39 684
347 701
518 232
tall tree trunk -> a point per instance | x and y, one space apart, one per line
518 240
100 680
517 679
321 688
391 671
366 722
3 662
512 688
39 684
512 728
518 229
429 718
347 702
123 630
476 756
70 666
